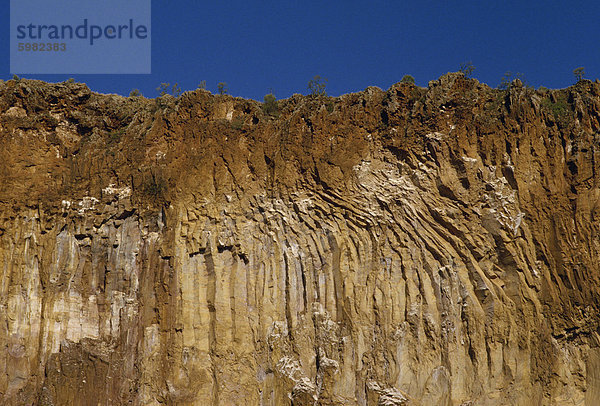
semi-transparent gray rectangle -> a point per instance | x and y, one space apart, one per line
79 37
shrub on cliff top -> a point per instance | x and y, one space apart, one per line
163 89
508 78
270 105
467 68
316 86
166 88
408 79
176 90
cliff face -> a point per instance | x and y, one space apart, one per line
414 246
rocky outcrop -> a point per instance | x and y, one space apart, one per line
412 246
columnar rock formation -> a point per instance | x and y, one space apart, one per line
434 246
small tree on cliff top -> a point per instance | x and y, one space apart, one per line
316 86
270 105
467 68
579 73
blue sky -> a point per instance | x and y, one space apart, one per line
281 45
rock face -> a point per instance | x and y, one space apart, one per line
433 246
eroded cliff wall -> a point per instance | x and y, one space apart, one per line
433 246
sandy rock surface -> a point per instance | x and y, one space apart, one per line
415 246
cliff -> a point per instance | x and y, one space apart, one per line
434 246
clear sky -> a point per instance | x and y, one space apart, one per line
255 46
